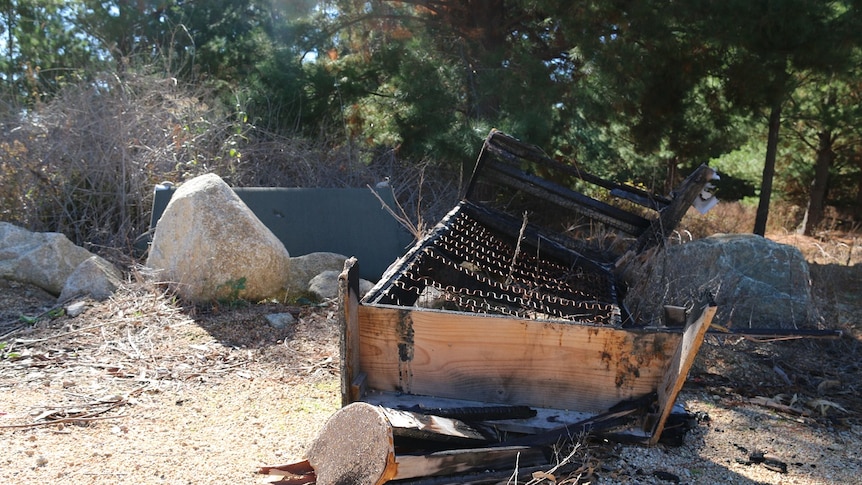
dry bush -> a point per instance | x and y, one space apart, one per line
724 218
424 191
738 218
86 163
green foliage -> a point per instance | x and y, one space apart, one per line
740 170
28 320
6 353
231 290
52 314
636 91
304 298
823 117
40 54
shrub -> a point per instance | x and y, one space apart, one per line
86 163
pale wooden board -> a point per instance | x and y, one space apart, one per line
678 367
545 419
509 361
433 428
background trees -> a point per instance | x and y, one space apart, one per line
639 91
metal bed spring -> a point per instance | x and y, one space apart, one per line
476 245
493 280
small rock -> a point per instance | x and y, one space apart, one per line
665 476
43 259
76 309
325 285
304 268
41 460
94 277
828 385
280 320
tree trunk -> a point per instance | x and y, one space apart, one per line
820 186
768 170
9 23
670 175
483 24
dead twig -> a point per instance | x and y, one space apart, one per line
87 417
539 476
517 249
13 331
25 321
415 229
777 406
59 335
78 419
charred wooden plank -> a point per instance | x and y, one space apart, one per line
778 333
502 158
670 216
509 148
491 477
453 462
545 418
479 413
348 288
619 415
569 199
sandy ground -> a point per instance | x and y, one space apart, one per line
136 391
139 389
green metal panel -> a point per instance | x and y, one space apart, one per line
351 222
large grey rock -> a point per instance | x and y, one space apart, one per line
44 259
94 277
304 268
210 245
755 282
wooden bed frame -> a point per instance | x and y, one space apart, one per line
405 368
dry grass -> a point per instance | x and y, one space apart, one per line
142 389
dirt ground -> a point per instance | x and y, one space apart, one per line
141 389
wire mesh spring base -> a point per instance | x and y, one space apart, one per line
468 267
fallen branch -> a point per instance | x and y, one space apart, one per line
71 332
777 406
87 417
63 420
